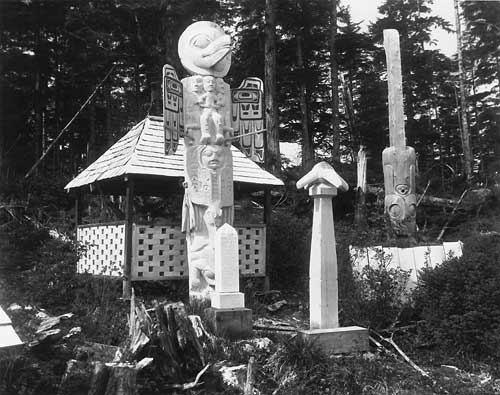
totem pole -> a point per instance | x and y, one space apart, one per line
208 114
398 160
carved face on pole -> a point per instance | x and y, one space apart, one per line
400 200
212 156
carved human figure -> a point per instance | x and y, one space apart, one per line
209 174
400 199
207 103
210 101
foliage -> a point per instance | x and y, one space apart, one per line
290 238
376 295
460 299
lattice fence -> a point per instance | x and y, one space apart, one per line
252 250
104 249
159 252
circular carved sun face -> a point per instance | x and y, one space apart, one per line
402 189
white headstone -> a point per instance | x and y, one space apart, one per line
226 269
227 275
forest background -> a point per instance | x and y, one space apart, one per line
54 53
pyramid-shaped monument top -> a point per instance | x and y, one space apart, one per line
322 173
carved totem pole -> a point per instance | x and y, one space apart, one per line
203 108
398 160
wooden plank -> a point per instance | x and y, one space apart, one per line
436 255
395 82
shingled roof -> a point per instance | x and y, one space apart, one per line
141 152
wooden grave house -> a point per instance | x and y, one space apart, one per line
135 249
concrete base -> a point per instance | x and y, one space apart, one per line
228 300
339 340
231 323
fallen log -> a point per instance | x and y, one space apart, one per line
471 201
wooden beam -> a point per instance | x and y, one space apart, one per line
129 222
268 210
395 82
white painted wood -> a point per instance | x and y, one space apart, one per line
436 255
452 249
407 262
422 256
323 286
409 259
391 255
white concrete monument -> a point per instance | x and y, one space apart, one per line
323 182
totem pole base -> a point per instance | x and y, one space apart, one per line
342 340
233 323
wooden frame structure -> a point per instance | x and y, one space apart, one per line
137 165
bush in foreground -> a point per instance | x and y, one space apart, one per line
460 299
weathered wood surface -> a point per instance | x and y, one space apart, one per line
395 81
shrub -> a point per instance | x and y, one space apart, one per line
375 296
460 299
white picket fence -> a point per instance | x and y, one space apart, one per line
409 259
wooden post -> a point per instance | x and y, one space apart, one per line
78 210
323 285
398 160
395 82
268 210
323 182
129 222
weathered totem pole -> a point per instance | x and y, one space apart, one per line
398 160
208 114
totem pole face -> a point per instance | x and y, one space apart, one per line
400 200
205 49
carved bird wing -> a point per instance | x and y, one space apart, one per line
247 116
173 112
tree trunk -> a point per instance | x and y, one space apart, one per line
334 81
467 158
272 154
92 141
307 138
122 380
40 61
109 112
